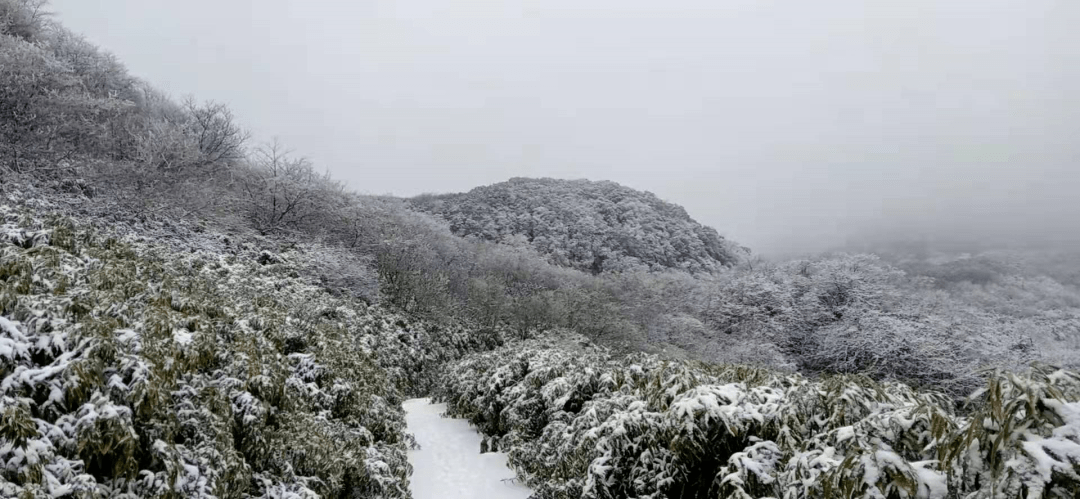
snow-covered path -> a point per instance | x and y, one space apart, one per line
449 464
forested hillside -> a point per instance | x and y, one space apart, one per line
186 313
590 226
133 370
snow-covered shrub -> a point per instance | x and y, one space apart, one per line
578 422
132 370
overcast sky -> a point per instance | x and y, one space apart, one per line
784 124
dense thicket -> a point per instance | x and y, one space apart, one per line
590 226
578 422
130 370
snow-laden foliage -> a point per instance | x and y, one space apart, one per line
63 100
846 314
1035 292
130 370
578 422
591 226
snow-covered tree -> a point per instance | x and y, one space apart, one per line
285 193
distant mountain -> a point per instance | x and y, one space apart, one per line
591 226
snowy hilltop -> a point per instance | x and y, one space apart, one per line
590 226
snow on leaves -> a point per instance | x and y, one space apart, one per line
578 422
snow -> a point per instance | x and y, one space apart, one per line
182 336
1061 451
13 342
844 433
448 464
932 484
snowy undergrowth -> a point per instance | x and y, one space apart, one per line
580 423
134 370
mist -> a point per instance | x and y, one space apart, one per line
788 126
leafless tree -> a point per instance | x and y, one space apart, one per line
219 138
284 192
25 19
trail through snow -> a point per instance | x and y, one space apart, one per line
449 464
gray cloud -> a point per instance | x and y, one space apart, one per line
786 125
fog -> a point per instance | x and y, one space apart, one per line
787 125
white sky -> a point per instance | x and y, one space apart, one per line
787 125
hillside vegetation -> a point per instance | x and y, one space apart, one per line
132 370
186 314
151 162
590 226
